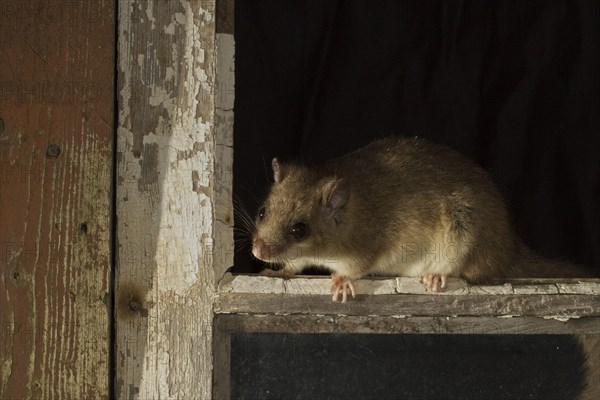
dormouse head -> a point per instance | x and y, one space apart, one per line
302 211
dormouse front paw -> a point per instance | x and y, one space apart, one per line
434 282
341 286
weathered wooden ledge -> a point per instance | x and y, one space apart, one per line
406 297
319 285
268 323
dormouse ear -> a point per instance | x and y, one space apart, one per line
279 170
336 193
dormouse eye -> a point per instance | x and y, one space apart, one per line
299 231
261 212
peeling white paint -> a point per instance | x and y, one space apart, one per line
174 51
158 96
170 29
149 14
169 74
173 206
202 75
180 18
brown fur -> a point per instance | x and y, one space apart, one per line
412 208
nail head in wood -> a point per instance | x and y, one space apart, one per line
53 151
134 306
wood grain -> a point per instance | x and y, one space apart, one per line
228 323
319 285
166 199
56 104
224 100
536 305
587 329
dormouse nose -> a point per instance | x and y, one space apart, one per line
261 250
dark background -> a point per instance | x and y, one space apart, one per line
515 85
384 367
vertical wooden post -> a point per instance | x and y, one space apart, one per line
56 130
224 99
167 202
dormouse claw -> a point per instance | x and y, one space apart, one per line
433 282
341 285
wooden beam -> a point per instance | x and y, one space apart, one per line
319 285
166 199
223 248
586 329
536 305
263 323
56 137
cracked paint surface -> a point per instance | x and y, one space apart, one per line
166 176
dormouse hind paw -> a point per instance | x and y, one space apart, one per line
434 282
341 286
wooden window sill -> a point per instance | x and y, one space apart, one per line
560 299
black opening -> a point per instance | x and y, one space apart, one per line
362 366
512 84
